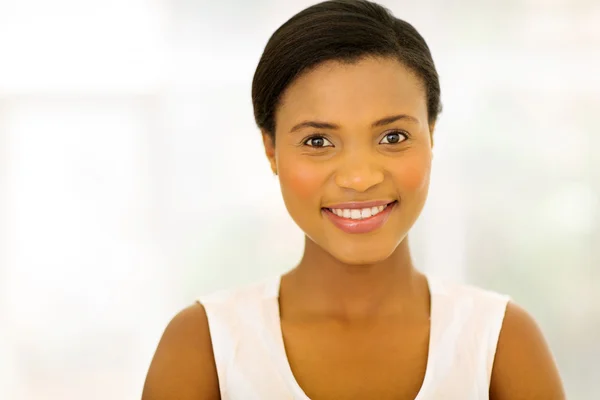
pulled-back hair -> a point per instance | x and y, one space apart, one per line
340 30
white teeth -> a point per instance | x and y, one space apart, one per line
356 213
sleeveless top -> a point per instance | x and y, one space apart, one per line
251 361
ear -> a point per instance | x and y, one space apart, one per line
269 144
431 130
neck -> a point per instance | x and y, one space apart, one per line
328 286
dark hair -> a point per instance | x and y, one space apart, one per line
341 30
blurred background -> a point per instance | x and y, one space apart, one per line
132 177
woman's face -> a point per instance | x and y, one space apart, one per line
351 140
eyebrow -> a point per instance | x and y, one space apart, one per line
328 125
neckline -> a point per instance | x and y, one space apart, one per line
281 354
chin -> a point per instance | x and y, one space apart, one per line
361 255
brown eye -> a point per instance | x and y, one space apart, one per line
317 141
393 138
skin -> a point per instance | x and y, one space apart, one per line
355 311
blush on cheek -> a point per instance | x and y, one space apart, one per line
413 174
302 181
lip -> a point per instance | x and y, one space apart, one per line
366 225
352 205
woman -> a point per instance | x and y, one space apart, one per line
346 97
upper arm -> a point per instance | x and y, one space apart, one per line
183 366
524 367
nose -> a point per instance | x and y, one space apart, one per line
359 174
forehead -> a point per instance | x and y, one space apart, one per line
348 93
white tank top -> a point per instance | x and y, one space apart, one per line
252 364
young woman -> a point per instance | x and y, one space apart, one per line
346 97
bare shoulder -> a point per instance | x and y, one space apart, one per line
524 367
183 366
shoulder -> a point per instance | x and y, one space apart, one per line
183 366
479 313
197 340
241 294
470 297
521 364
524 367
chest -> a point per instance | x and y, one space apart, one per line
382 360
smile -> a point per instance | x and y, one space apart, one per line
360 220
358 214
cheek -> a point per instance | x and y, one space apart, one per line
301 180
412 175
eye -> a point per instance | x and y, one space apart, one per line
393 137
317 141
